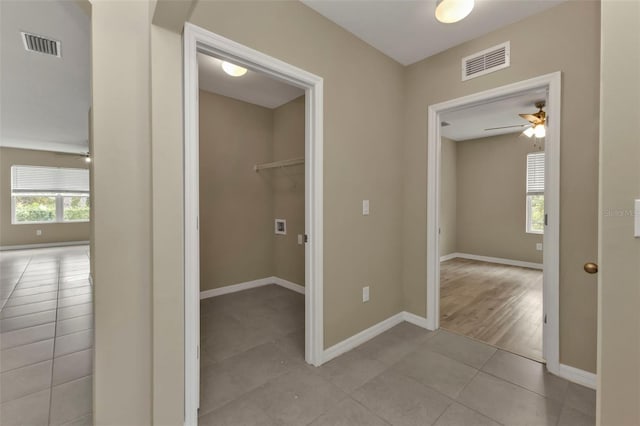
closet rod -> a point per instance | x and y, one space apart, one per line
281 163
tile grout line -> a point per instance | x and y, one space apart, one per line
16 284
53 355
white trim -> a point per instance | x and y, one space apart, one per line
575 375
362 337
80 147
196 40
551 239
289 285
448 257
416 320
488 259
205 294
44 245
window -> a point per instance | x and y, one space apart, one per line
535 193
49 194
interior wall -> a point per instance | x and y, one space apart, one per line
123 357
491 198
619 271
20 234
363 131
288 190
236 203
448 199
534 52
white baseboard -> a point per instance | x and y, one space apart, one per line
251 284
488 259
416 320
448 257
575 375
362 337
44 245
288 284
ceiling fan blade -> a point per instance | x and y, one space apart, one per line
529 117
506 127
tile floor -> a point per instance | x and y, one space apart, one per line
46 339
253 373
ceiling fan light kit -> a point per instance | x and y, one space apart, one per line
450 11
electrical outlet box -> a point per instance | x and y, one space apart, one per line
365 207
39 232
539 246
365 294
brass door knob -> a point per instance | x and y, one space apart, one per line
591 267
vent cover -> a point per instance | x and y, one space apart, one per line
493 59
40 44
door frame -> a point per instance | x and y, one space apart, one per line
551 239
196 39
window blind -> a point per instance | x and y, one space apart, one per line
535 173
30 179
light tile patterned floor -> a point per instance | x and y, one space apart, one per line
253 373
46 339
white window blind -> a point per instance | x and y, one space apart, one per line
30 179
535 173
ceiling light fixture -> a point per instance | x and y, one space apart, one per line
450 11
233 70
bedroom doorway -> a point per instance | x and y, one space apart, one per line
549 315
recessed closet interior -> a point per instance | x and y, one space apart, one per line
252 213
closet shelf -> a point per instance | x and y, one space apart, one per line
276 164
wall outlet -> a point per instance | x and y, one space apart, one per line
365 207
38 232
365 294
539 246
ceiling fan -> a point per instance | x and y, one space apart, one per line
80 156
536 125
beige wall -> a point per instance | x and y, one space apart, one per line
236 203
576 54
288 189
448 191
362 150
491 194
619 276
123 357
11 235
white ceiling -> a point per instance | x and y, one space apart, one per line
45 100
470 123
253 87
407 31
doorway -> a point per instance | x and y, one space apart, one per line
550 84
199 41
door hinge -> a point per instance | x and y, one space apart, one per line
306 238
545 318
198 351
545 220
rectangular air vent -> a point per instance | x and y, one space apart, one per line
489 60
40 44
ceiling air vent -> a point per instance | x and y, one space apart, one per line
493 59
40 44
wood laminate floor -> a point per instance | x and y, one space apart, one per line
497 304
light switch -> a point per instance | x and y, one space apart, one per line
539 246
365 294
636 216
365 207
300 239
